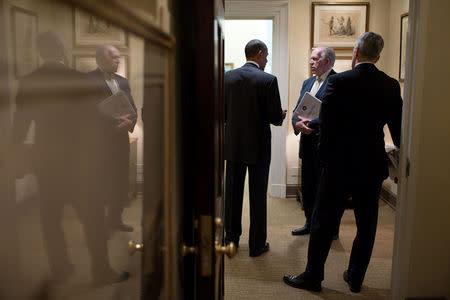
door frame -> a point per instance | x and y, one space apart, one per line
278 12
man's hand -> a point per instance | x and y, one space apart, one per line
124 122
302 126
284 113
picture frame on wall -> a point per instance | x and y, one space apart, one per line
92 31
24 34
229 67
87 63
403 39
338 25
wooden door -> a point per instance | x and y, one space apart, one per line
200 85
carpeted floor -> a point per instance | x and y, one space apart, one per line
261 277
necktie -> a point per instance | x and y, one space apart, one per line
315 86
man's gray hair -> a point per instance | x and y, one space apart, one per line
370 45
329 54
252 48
101 53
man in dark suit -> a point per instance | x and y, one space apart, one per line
356 106
112 141
321 62
53 96
252 103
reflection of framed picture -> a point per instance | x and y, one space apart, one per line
403 36
25 31
90 30
338 25
229 67
342 63
87 63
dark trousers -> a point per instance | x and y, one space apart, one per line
310 184
311 170
333 192
234 194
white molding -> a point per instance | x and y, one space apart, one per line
278 11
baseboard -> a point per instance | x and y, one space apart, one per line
278 190
291 190
388 197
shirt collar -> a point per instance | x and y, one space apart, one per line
324 75
253 62
364 62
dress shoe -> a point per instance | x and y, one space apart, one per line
236 244
301 231
355 288
260 251
300 282
122 227
111 277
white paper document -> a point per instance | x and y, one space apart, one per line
308 108
116 105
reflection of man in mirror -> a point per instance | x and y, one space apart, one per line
113 142
53 97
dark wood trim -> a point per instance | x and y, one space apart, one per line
388 197
291 190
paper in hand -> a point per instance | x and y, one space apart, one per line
116 105
308 108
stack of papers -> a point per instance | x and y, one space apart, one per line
308 108
116 105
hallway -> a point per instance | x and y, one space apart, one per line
261 278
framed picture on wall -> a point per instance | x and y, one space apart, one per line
87 63
90 30
403 36
229 67
338 25
24 34
342 63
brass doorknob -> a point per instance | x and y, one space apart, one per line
230 249
218 222
185 250
133 247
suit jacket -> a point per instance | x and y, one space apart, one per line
112 145
356 106
252 103
309 142
53 96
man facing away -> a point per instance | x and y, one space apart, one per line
252 103
113 142
356 106
321 62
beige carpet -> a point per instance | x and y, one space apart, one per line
261 277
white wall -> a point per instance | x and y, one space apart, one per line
239 32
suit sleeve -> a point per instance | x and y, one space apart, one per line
127 90
395 114
294 120
275 113
329 120
22 115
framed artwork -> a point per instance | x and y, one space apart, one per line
403 37
87 63
342 63
24 34
92 31
229 67
338 25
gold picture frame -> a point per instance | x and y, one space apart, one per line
403 40
338 25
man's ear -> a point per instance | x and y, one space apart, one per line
259 53
376 60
